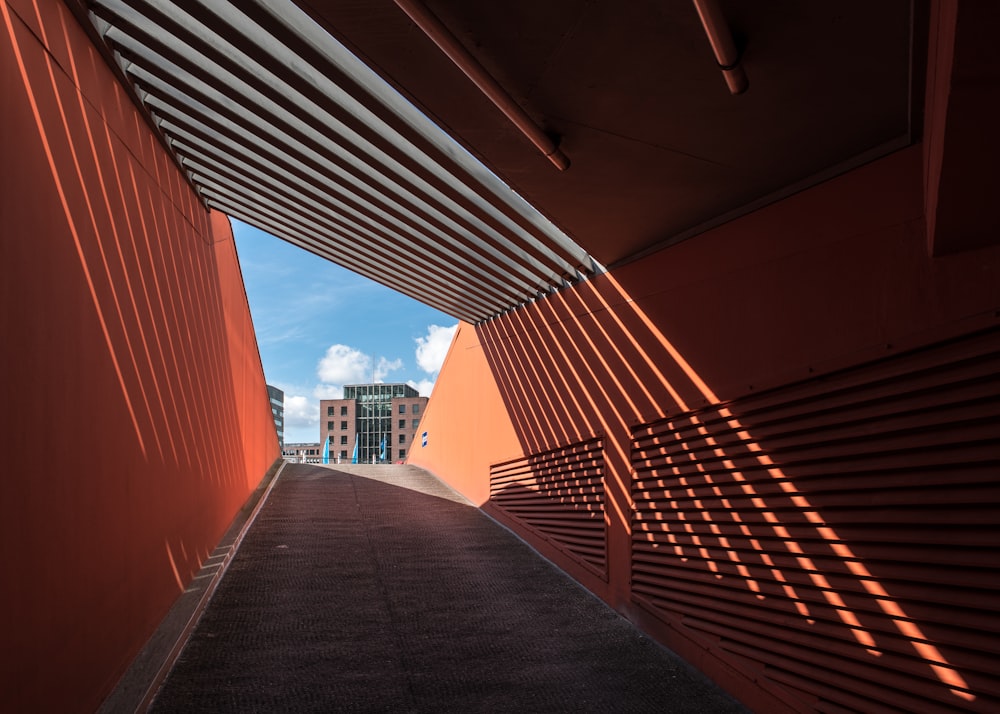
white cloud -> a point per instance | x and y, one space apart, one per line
385 366
328 391
343 365
432 349
424 387
300 412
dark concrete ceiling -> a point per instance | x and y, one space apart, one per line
659 148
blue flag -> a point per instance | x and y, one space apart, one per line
326 450
382 455
354 457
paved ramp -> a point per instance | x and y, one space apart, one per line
379 589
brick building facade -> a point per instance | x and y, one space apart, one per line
372 422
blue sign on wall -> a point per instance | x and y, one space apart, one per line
423 440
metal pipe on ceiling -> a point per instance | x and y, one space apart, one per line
721 39
470 66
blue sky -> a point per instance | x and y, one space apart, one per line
320 326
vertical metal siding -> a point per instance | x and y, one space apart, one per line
839 536
558 494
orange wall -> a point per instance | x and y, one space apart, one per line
796 415
837 277
465 420
137 417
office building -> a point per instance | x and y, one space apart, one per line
277 399
373 422
302 453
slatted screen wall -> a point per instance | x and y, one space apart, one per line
837 538
558 494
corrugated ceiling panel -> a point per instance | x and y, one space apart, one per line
857 562
277 124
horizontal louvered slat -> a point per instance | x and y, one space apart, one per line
770 581
832 678
847 525
741 625
966 390
724 625
587 475
877 537
558 494
890 557
961 456
919 480
530 503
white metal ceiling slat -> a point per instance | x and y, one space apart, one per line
220 168
389 244
212 180
216 180
336 244
261 37
304 120
153 84
241 89
146 58
303 26
278 226
389 223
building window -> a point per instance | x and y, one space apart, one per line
343 440
343 425
329 426
416 423
416 408
329 411
402 423
402 438
402 409
402 453
343 454
343 411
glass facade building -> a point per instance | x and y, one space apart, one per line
373 423
277 398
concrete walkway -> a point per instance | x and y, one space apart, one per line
379 589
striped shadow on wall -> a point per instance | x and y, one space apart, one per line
559 495
838 538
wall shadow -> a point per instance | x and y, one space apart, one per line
831 539
145 423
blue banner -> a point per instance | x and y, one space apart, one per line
326 450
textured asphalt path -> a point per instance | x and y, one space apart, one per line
378 589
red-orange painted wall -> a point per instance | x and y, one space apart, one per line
833 278
137 421
465 421
837 277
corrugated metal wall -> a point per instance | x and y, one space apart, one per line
839 536
138 418
558 494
